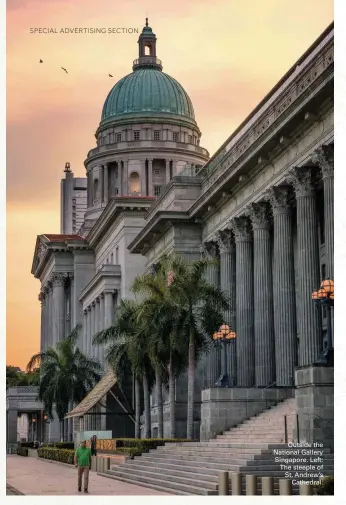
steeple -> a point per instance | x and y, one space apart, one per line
147 50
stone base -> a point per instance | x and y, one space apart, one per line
225 408
315 404
181 421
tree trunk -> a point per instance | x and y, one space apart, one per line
171 378
138 408
147 423
159 402
191 386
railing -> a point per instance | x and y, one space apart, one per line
146 143
147 61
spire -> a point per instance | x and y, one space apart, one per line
147 50
67 167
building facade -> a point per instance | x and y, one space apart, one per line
262 205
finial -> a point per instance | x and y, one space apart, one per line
146 21
67 167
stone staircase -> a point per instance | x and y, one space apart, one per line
192 468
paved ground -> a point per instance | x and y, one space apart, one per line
31 476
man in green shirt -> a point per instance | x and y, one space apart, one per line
82 461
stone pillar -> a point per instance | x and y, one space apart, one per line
102 326
88 350
150 177
101 183
105 183
263 295
92 330
108 309
324 157
244 303
85 332
41 298
168 175
125 169
210 251
228 285
58 322
284 293
143 179
309 323
97 326
49 341
12 423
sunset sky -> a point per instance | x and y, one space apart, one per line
227 54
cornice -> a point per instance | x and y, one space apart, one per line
110 272
116 207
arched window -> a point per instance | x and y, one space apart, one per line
134 183
96 189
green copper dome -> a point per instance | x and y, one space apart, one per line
147 91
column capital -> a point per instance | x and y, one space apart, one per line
225 241
280 199
41 297
88 308
324 158
97 300
301 178
58 279
259 214
85 311
241 228
93 303
209 249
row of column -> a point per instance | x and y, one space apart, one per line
101 192
259 276
53 313
97 316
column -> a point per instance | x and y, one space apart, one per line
263 295
108 309
210 252
227 282
324 157
284 293
244 303
85 331
88 345
143 179
150 177
92 330
102 327
58 322
308 262
97 326
168 175
105 183
46 317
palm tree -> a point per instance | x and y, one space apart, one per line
198 313
66 375
168 358
128 350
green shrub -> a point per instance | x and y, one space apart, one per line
64 445
145 444
326 487
26 444
131 451
22 451
62 455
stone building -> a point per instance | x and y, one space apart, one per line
262 205
73 203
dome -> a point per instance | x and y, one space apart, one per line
147 92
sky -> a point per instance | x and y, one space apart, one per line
227 54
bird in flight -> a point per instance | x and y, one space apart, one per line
41 61
64 69
110 75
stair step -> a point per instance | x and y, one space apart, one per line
150 486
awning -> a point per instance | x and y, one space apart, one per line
95 395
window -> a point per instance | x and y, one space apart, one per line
190 139
116 191
136 135
157 135
156 172
134 183
112 259
175 137
96 189
118 137
157 190
117 255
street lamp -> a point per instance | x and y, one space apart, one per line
325 297
225 336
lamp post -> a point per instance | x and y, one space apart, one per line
225 336
325 297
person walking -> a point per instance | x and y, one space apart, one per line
93 443
82 461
